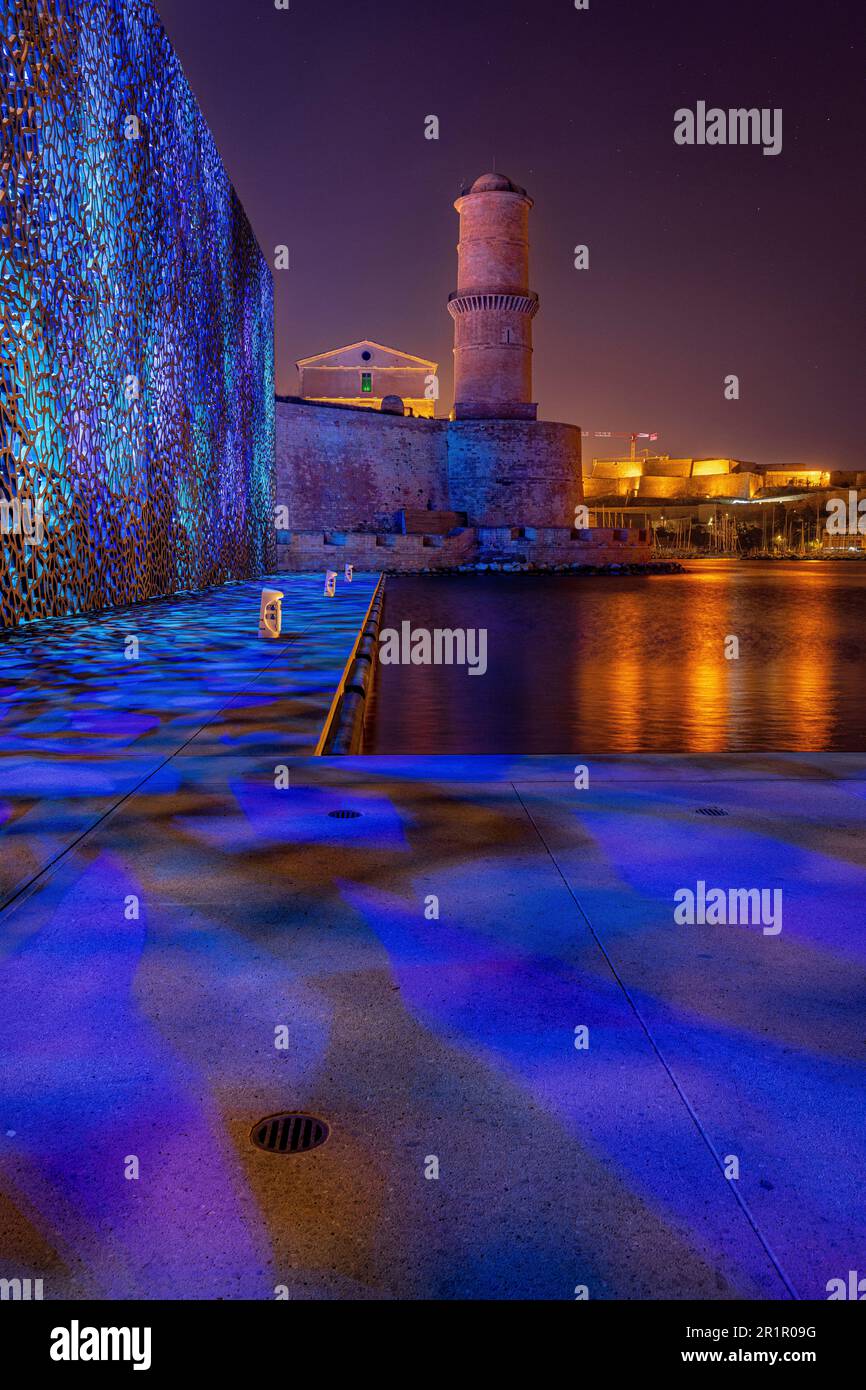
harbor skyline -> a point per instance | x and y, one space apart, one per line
703 261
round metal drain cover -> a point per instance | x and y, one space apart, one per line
289 1134
710 811
344 815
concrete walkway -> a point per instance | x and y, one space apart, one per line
145 971
87 716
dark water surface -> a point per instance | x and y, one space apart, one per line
637 664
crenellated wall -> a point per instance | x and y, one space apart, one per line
668 488
490 548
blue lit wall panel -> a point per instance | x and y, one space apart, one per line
136 324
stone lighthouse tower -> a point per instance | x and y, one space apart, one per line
493 306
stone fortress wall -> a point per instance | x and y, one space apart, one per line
491 484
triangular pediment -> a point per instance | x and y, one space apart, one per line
380 356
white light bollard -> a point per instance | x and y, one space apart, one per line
271 614
350 573
331 584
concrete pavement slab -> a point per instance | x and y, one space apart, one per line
763 1032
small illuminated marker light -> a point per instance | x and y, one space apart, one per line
271 613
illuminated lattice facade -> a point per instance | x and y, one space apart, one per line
136 323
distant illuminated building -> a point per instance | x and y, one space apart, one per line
666 479
366 373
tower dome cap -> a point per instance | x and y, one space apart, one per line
495 183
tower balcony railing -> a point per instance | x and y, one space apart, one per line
463 303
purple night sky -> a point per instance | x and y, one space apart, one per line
703 261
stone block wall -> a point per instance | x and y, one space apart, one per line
335 383
369 551
661 489
341 469
487 547
514 472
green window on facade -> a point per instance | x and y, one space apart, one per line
366 383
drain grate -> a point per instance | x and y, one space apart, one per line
710 811
344 815
289 1133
